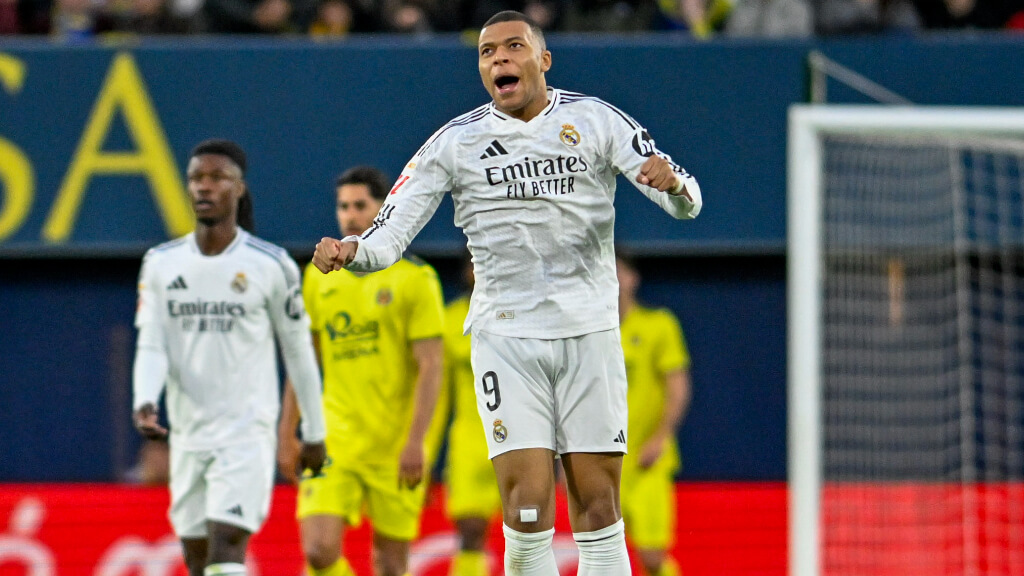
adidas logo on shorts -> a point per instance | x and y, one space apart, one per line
621 438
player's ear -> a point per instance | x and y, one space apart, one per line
545 61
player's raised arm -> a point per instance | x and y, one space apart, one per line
149 372
652 171
411 202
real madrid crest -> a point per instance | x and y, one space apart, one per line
384 296
569 136
500 432
239 284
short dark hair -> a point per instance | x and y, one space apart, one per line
373 178
231 150
222 147
514 16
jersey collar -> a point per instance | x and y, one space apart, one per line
554 95
240 236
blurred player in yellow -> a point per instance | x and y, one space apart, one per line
658 378
379 338
473 498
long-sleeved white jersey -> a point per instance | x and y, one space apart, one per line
207 328
534 200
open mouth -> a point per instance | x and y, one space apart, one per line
506 83
201 204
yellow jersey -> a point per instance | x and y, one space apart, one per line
366 325
653 346
466 436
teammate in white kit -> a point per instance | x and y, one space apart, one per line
210 305
532 175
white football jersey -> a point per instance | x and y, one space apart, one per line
534 200
216 318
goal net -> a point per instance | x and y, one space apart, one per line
906 341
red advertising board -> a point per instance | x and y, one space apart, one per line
118 530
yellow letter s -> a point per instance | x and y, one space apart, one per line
16 175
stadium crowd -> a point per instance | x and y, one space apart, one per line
77 20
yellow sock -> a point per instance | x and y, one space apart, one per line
467 563
669 567
339 568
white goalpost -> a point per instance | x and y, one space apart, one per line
905 320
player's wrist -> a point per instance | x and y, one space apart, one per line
677 189
354 241
415 440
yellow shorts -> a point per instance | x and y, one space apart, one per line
472 490
394 512
649 507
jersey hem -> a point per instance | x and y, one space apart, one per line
503 448
514 332
249 438
593 449
252 528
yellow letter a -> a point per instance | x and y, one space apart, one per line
123 89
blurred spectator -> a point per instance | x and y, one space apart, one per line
701 17
34 16
9 17
966 13
545 13
152 16
334 18
185 14
258 16
609 15
75 20
422 16
1016 19
338 18
771 19
866 16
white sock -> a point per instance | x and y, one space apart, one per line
529 554
225 569
603 552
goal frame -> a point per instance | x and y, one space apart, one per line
805 283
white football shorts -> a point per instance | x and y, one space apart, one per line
232 485
567 395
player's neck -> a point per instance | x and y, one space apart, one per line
213 240
531 110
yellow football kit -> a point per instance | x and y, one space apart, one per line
653 346
472 487
366 325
